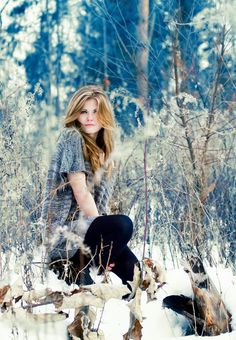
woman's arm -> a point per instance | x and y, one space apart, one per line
82 195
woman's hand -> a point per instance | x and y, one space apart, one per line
110 266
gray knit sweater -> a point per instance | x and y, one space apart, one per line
60 207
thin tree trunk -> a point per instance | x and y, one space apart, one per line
106 81
58 63
143 51
48 57
193 231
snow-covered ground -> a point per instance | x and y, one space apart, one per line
113 320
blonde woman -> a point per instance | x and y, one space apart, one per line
79 185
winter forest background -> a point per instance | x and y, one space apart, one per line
169 69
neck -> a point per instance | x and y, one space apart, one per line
93 136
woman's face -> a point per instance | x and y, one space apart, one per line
88 118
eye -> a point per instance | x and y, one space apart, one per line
83 111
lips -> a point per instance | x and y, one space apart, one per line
89 124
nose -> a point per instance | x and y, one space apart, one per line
90 116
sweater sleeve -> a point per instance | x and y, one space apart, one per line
70 152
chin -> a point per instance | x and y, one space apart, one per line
89 132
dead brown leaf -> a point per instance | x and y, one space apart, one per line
3 292
136 332
75 328
79 300
106 291
47 317
135 305
157 270
136 281
36 295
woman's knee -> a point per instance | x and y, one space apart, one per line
124 225
120 226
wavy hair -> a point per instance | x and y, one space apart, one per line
97 152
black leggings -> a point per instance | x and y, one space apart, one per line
113 232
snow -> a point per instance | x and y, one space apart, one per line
113 320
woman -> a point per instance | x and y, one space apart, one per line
79 185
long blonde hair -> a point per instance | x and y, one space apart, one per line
104 143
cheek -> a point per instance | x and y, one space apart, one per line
80 119
99 125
